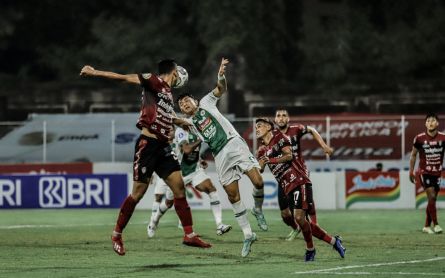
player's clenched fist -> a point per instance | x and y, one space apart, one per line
87 70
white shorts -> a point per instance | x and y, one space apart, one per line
196 177
161 188
234 160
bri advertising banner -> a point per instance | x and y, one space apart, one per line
372 186
63 191
421 198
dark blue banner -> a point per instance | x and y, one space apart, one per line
63 191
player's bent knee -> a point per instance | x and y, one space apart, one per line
233 197
285 213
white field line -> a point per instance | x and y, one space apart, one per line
335 269
36 226
382 273
12 227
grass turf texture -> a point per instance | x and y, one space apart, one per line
76 243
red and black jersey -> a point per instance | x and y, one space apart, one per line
431 152
157 106
288 174
295 132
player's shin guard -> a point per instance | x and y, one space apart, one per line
432 210
258 197
185 215
290 221
428 219
241 216
321 234
307 234
215 205
312 213
154 208
160 212
125 213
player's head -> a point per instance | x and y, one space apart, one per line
166 66
281 118
187 103
431 122
263 126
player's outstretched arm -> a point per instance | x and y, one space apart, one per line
412 163
129 78
328 150
221 85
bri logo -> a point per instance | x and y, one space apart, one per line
59 191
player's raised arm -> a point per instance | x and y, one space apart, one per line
328 150
221 85
412 163
129 78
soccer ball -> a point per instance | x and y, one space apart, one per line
183 77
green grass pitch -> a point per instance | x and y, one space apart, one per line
76 243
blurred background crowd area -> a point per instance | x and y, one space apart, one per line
311 56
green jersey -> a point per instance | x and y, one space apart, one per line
189 162
211 126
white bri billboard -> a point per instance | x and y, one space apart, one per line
69 138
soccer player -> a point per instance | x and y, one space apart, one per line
430 146
188 146
232 156
294 133
152 150
292 175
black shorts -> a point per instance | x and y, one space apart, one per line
152 155
282 199
429 181
301 197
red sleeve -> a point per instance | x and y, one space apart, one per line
283 141
302 130
261 151
416 143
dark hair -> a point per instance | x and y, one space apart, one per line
281 108
166 66
265 120
184 95
432 115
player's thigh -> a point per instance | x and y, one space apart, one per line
176 184
255 177
201 181
138 190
